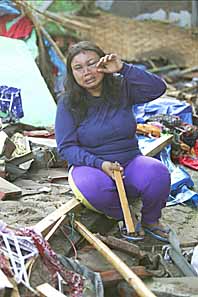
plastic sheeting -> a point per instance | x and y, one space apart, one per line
181 181
8 7
31 41
60 65
93 286
19 70
163 105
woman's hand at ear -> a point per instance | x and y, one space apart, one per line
109 167
109 64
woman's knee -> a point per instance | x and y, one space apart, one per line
146 173
90 178
159 170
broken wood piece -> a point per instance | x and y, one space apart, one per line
111 277
9 189
21 159
2 169
156 146
52 179
124 202
15 290
46 290
53 217
188 244
54 228
120 266
163 68
7 146
176 74
121 245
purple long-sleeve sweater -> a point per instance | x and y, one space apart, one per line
107 133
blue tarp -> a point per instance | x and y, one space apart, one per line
61 75
181 181
8 7
163 105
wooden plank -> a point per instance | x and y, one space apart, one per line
124 202
55 227
51 219
121 245
8 188
111 277
156 146
133 280
46 290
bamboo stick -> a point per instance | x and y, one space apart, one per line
124 202
133 280
65 21
53 43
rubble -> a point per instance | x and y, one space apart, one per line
37 202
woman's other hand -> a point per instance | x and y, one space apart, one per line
109 167
109 64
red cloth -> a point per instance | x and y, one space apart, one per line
21 29
196 148
189 161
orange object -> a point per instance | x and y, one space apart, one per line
147 129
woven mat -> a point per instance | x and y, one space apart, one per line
134 40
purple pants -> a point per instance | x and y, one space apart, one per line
145 177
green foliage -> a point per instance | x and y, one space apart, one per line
67 6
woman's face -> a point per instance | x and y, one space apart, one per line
85 72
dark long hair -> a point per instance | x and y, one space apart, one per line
76 97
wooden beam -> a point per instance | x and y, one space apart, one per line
54 228
124 202
51 219
133 280
46 290
111 277
156 146
121 245
9 189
